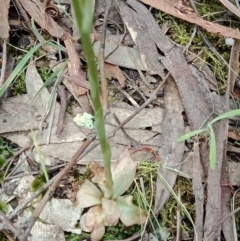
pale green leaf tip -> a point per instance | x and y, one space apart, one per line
85 120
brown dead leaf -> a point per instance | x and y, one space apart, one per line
170 151
36 10
198 191
227 226
143 32
231 7
234 64
146 29
74 68
79 81
214 206
113 71
120 55
191 17
4 25
233 135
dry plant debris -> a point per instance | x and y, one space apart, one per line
156 91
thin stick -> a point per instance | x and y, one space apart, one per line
82 151
6 224
147 102
230 214
63 107
51 190
4 63
101 59
25 16
178 234
129 97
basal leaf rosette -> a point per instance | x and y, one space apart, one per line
107 206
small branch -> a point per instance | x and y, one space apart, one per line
129 97
4 63
101 58
25 16
220 222
63 108
50 192
6 224
147 102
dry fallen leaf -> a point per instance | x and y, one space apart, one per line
113 71
173 10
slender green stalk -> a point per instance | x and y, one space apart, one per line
84 16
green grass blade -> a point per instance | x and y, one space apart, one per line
56 46
19 68
178 201
39 155
226 115
213 148
36 32
51 77
41 39
190 134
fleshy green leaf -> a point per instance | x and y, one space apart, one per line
123 171
213 148
88 195
111 212
228 114
190 134
130 213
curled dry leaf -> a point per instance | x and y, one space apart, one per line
99 178
98 173
94 222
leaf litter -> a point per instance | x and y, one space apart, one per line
186 98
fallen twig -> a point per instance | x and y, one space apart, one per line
6 224
220 222
63 107
50 192
4 63
101 58
129 97
146 103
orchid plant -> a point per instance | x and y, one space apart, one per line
107 205
103 194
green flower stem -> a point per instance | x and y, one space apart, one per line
84 14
